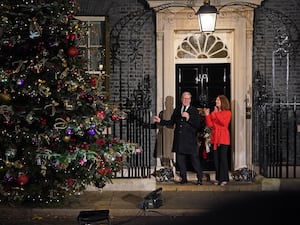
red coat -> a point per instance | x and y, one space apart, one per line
219 121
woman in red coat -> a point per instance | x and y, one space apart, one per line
219 121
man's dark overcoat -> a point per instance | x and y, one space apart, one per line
185 132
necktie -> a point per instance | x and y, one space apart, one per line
184 108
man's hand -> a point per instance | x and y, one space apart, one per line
186 115
156 119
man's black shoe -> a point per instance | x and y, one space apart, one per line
183 181
199 182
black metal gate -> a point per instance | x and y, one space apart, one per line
276 106
276 133
278 140
136 128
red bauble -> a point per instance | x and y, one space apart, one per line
22 180
119 158
101 114
115 118
70 182
72 51
105 171
101 171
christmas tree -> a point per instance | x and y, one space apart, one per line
54 116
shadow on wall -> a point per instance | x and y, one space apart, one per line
165 134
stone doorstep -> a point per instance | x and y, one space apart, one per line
145 184
150 184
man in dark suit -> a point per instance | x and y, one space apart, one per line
187 122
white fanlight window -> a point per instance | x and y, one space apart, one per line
202 46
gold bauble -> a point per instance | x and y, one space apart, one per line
66 138
8 163
5 97
18 164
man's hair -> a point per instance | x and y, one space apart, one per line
186 93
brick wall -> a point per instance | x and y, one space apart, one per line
273 22
131 33
275 137
132 43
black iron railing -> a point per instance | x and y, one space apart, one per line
277 139
137 128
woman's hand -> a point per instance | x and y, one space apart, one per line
206 111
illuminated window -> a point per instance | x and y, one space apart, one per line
202 46
93 46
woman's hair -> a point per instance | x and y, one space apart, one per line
224 102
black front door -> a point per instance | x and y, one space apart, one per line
205 82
